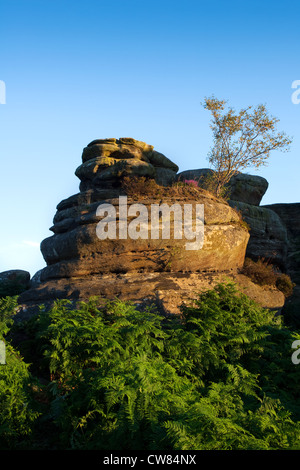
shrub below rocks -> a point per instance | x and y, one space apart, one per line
285 284
265 274
137 187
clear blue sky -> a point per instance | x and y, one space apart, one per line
80 70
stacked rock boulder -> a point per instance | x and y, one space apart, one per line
79 264
106 161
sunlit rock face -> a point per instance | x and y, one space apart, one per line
242 187
268 232
80 264
106 161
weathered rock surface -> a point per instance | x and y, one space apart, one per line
249 189
290 216
106 161
76 250
166 290
268 234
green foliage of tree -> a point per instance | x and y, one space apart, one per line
17 410
241 140
118 377
250 387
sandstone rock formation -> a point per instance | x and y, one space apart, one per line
268 233
249 189
106 161
166 290
75 249
79 264
289 214
274 228
146 269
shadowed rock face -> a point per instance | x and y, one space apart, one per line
290 217
14 281
289 214
268 233
80 264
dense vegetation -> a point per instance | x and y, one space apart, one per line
114 377
265 274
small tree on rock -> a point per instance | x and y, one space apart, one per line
241 140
